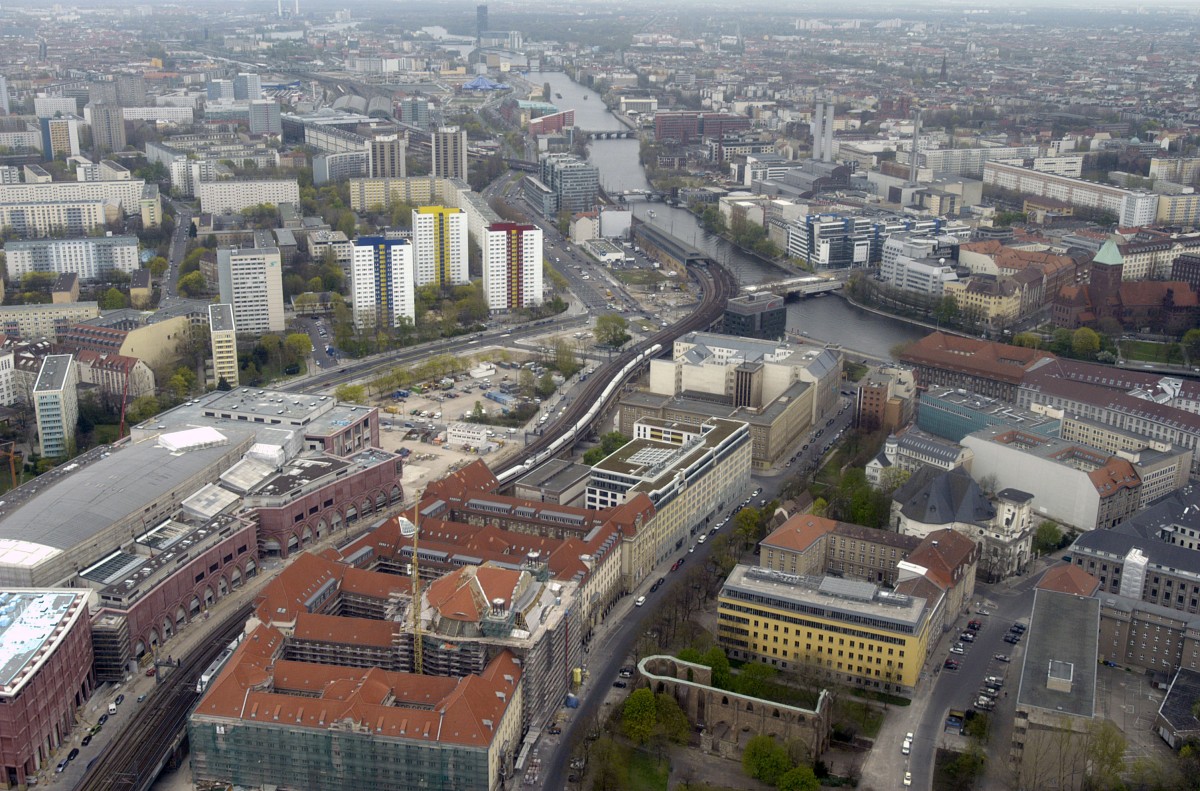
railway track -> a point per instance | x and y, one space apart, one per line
719 285
133 760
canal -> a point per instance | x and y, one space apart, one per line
829 318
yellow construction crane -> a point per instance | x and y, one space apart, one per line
411 530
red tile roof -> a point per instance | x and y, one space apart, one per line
800 532
1066 578
987 359
345 631
257 686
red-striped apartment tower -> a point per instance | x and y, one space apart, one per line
512 265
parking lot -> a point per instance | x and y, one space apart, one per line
1129 700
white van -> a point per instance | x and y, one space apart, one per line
112 708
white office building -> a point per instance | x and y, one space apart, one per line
923 276
252 281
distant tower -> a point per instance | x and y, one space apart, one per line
943 74
296 9
818 118
279 8
481 22
913 156
42 50
449 147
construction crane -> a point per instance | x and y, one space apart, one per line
124 400
9 449
410 530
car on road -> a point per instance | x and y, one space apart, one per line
61 766
554 730
71 756
620 684
908 778
984 612
86 740
103 719
692 549
640 601
140 698
1001 658
957 649
967 637
661 580
757 491
120 699
906 748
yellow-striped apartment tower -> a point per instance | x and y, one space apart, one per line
440 245
512 265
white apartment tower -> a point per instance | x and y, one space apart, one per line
56 405
439 235
512 265
449 146
222 333
381 281
251 280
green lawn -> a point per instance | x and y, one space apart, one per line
1152 352
865 719
854 371
646 773
639 277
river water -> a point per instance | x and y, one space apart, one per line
827 318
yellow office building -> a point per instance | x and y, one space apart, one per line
850 631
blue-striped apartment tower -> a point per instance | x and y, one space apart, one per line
381 281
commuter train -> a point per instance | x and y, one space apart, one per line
571 434
214 669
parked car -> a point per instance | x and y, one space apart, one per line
103 719
975 626
620 684
967 637
120 699
908 778
71 756
151 671
906 747
1012 638
86 740
1001 658
1018 627
958 649
950 664
640 601
554 730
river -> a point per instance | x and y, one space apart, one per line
828 318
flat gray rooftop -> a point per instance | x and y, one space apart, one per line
53 375
220 317
28 621
1062 642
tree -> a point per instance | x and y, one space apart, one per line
639 716
754 680
113 299
765 760
192 284
564 358
672 722
1106 754
745 525
223 385
946 310
158 266
1191 345
1085 342
610 330
1030 340
1047 538
298 345
800 778
353 394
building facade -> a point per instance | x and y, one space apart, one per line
222 333
512 266
251 280
56 406
90 257
439 243
449 153
226 197
382 284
